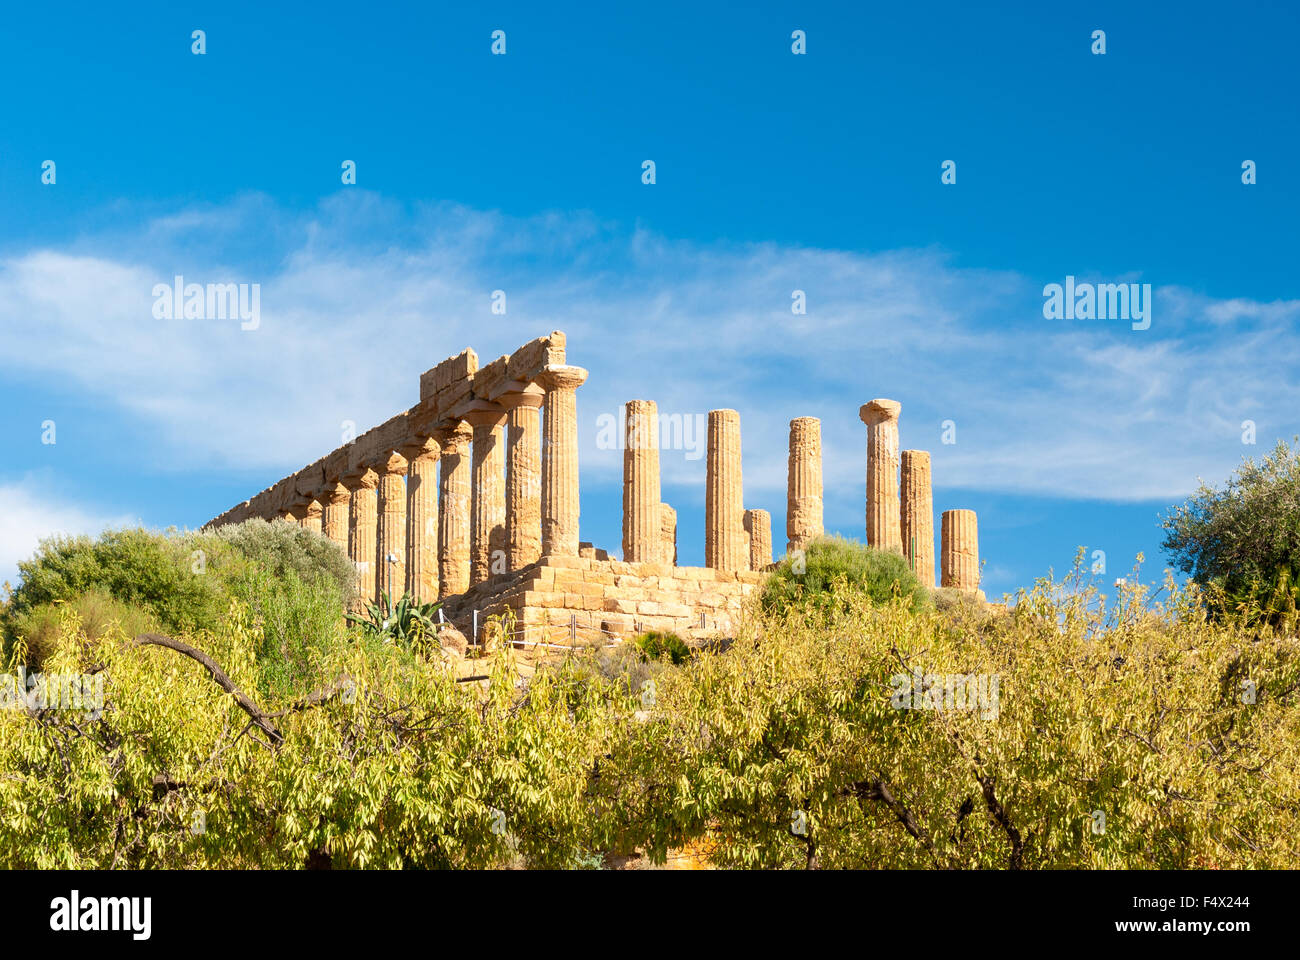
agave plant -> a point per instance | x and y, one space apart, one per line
408 622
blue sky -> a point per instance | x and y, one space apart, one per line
775 172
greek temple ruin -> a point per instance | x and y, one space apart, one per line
470 497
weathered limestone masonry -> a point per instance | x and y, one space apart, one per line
668 533
803 510
907 525
918 515
642 527
560 460
883 513
390 565
487 493
961 557
471 497
422 520
726 546
758 526
361 531
454 515
407 485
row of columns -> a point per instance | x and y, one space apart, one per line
734 538
443 497
483 495
903 521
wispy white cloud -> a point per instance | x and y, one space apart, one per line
28 516
362 295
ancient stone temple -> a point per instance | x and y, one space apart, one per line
471 497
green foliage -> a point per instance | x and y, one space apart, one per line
396 766
279 548
659 644
1133 710
294 582
1242 542
146 570
790 748
97 611
832 569
409 623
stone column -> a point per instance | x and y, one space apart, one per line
391 574
454 512
918 516
884 523
422 521
560 460
642 526
803 510
726 547
758 525
668 534
523 480
487 493
334 519
312 516
961 552
361 531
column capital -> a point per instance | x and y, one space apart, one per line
879 411
361 478
491 418
336 491
395 463
562 377
521 394
420 448
454 438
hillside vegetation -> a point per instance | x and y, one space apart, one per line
863 730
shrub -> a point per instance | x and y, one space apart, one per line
1242 542
408 622
141 568
833 567
97 611
279 548
294 582
658 645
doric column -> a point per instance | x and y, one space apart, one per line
454 511
334 519
961 551
918 516
884 524
361 531
487 493
726 546
390 553
758 525
422 521
803 510
560 460
312 514
523 480
668 534
642 528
